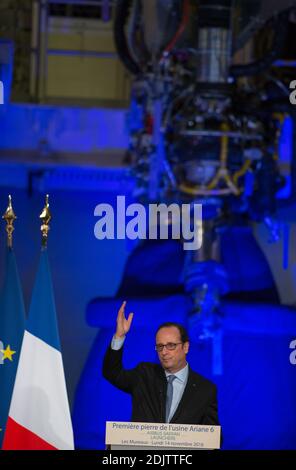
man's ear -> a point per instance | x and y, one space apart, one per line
186 347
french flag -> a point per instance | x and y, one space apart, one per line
39 415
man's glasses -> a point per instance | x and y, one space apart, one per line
169 346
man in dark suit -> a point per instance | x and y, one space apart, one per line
170 392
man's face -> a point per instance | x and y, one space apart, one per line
171 361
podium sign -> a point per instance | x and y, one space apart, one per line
130 435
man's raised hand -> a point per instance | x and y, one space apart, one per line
123 324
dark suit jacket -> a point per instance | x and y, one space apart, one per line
147 384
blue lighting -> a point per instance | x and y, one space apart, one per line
256 391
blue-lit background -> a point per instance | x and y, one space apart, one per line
257 383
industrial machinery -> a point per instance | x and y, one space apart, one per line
209 99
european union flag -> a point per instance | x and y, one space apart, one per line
12 325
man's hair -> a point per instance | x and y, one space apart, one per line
183 332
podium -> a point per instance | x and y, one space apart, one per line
161 436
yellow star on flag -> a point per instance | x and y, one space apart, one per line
7 353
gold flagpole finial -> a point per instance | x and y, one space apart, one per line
9 216
45 216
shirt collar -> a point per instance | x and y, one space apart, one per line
181 374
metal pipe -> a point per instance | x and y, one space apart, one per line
73 52
98 3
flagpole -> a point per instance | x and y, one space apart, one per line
9 216
45 217
12 324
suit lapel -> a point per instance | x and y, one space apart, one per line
162 388
189 392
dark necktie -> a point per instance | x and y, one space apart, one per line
169 396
